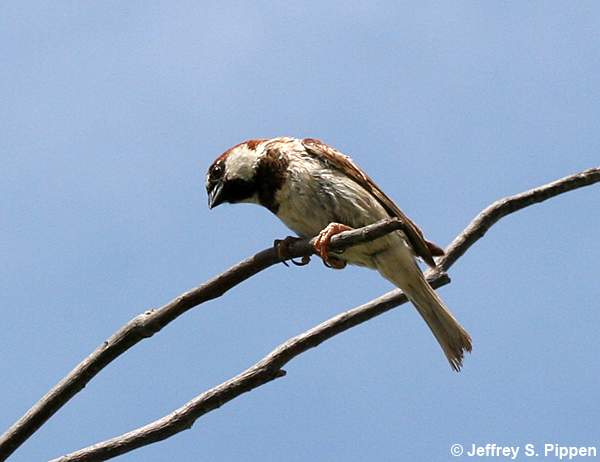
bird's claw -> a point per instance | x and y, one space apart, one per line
303 262
334 263
282 248
321 245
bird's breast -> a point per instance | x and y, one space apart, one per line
311 199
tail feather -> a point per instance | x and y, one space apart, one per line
402 270
451 336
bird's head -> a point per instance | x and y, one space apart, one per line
232 176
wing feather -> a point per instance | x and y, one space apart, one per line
423 248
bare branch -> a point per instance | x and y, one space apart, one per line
502 207
269 367
149 323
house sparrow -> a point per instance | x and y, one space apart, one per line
317 191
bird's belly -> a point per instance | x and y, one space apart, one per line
309 218
306 221
309 206
315 198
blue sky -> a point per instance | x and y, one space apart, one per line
112 111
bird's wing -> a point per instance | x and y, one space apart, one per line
423 248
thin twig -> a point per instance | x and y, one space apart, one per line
269 368
502 207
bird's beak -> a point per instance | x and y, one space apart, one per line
215 194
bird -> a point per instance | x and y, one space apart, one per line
315 190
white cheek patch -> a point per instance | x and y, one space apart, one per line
241 163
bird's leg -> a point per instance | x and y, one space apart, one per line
322 245
282 248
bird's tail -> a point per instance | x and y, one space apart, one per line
406 275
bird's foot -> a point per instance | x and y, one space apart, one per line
322 245
282 248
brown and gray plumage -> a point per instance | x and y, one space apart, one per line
317 191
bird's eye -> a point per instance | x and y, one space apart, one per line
217 170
